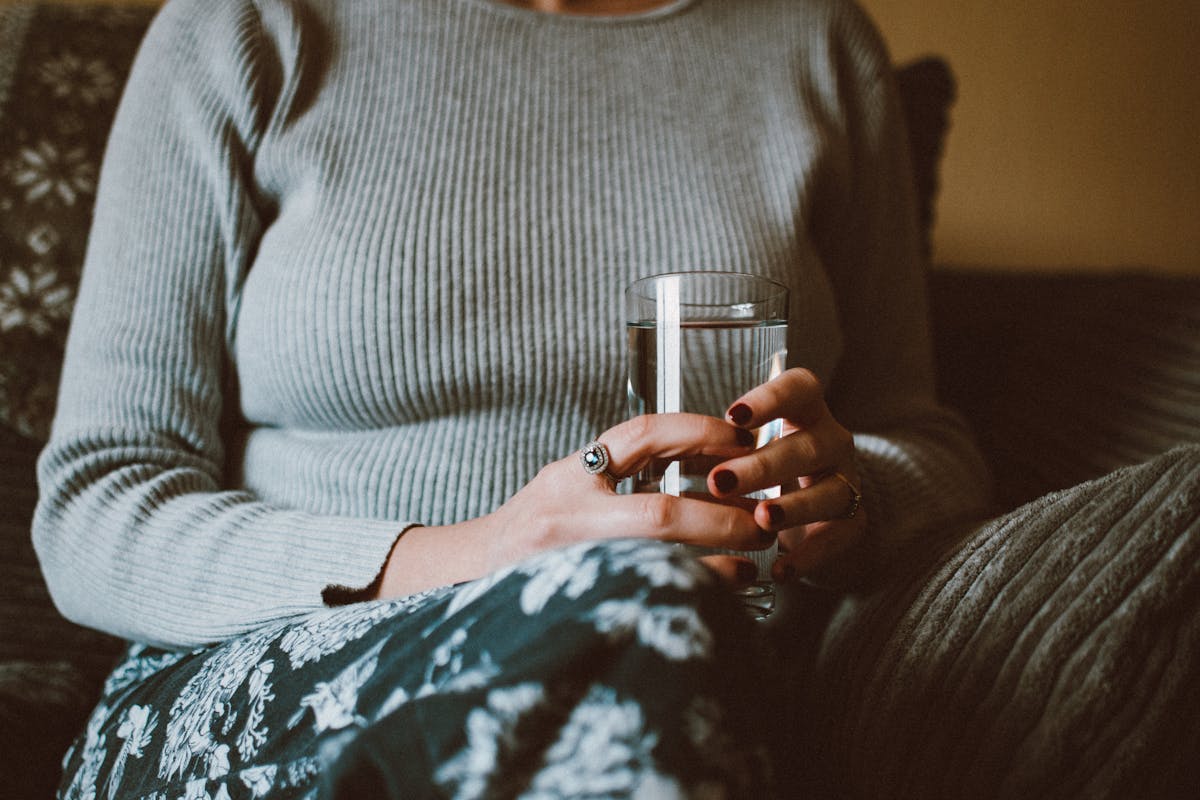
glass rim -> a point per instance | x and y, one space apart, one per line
774 288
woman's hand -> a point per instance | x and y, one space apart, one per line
564 504
819 514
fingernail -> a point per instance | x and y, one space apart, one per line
787 574
746 572
744 437
740 414
776 514
766 536
725 480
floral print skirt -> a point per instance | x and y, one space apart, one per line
603 670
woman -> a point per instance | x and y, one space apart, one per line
350 310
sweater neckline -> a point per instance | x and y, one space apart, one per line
659 12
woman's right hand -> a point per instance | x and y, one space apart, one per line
564 504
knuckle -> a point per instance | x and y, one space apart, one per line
542 532
657 511
843 440
757 468
638 428
799 509
738 532
807 379
839 441
807 449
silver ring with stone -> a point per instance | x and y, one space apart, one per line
595 459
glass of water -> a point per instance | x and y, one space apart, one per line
697 342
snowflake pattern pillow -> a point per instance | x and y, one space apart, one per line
61 73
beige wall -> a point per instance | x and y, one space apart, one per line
1076 137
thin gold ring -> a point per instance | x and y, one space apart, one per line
855 496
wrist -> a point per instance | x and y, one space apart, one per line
428 557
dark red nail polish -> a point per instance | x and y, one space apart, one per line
740 414
766 536
746 572
776 514
788 574
744 437
725 480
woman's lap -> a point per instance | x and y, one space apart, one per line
1051 652
617 666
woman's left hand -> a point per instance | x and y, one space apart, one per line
819 514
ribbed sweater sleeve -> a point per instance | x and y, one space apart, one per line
136 531
919 464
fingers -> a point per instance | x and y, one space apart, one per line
817 525
795 395
813 441
830 498
634 443
686 521
731 570
812 451
557 507
805 550
562 505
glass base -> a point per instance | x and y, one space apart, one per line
758 599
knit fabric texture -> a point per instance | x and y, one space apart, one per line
1049 653
357 266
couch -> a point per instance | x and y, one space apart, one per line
1063 376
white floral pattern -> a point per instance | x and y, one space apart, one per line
205 705
70 63
603 751
34 298
259 780
254 732
87 776
137 667
135 730
46 173
329 631
491 734
446 672
90 80
334 703
660 565
677 632
570 571
558 731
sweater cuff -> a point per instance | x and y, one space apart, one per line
338 594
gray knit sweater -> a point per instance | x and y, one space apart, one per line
358 265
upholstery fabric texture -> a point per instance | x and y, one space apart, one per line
65 68
965 677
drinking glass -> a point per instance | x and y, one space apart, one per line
697 342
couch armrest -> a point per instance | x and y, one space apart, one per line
1065 377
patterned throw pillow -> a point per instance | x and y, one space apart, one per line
61 73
